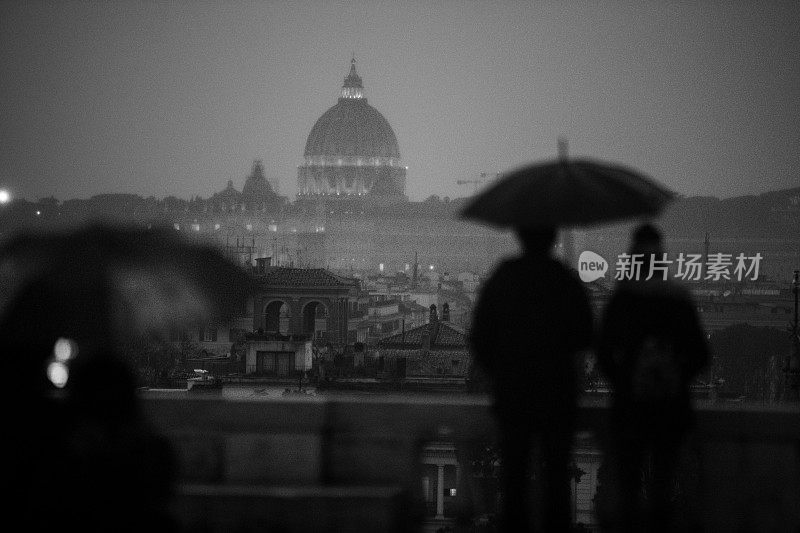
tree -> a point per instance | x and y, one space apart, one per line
748 359
152 358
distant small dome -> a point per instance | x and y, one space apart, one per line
228 195
256 185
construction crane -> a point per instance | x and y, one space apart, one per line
484 177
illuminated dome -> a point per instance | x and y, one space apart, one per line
352 149
352 128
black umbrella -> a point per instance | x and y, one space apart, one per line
108 283
68 301
567 192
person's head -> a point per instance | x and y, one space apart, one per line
647 240
537 241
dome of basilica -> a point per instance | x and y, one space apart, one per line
352 149
352 128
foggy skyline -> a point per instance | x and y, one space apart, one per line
176 99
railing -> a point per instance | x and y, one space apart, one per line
357 461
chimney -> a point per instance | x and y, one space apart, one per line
445 312
415 274
433 329
261 264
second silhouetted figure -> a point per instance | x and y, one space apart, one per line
650 348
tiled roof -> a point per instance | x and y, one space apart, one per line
385 303
408 307
304 277
399 352
447 336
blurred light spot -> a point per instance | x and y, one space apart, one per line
58 374
38 213
64 350
5 196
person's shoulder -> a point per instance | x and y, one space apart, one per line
509 267
499 277
561 273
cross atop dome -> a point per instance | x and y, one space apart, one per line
353 88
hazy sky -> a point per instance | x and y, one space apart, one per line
160 98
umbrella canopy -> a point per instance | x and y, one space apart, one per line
567 192
116 281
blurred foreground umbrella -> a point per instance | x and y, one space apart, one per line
69 300
102 285
567 192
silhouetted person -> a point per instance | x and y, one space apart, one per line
532 318
650 347
82 457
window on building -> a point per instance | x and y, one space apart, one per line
265 362
208 334
177 335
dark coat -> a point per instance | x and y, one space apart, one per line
531 319
655 309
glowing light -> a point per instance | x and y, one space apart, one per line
58 374
430 267
5 196
38 213
380 267
64 350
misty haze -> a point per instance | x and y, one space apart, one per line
381 266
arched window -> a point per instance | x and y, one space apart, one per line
315 318
277 317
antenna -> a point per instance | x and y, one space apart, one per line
563 149
706 246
